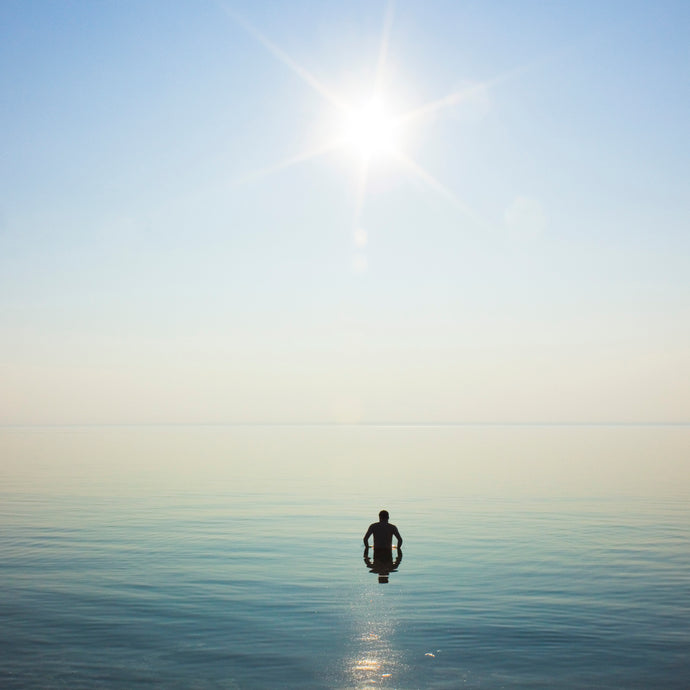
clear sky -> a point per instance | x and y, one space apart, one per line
344 211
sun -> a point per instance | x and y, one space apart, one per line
369 130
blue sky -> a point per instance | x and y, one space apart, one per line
522 255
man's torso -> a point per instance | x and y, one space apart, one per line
383 534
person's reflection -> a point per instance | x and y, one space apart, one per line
383 562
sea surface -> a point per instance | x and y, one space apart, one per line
232 557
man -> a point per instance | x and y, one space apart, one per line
383 533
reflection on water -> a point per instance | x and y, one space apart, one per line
376 661
383 563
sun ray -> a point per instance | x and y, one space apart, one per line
440 188
289 162
363 173
439 104
456 96
383 48
306 76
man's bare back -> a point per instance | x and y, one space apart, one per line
383 532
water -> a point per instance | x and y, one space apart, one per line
232 558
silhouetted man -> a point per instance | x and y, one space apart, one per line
383 532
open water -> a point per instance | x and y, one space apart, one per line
226 557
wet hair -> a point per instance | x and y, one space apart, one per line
383 515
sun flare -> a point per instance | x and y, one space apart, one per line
370 130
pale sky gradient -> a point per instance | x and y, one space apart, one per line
524 257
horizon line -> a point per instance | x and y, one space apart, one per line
67 425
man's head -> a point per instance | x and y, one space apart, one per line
383 516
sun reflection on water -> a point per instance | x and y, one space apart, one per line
375 661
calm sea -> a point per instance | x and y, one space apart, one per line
231 557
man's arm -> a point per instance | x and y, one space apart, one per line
397 536
367 535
